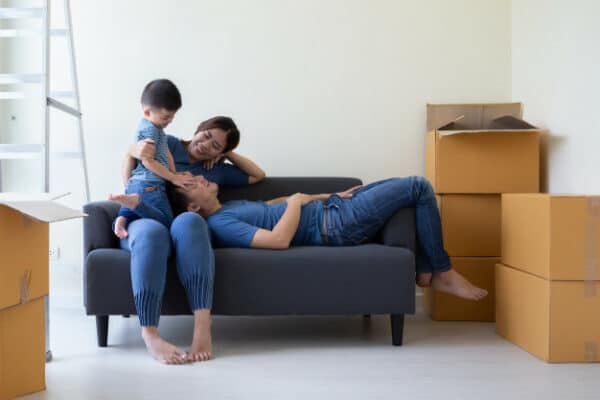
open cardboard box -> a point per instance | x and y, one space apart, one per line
481 148
471 224
24 259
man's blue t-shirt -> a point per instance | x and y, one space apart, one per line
235 224
222 173
147 130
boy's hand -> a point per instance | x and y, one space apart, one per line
183 180
143 149
346 194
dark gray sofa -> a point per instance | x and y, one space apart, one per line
373 278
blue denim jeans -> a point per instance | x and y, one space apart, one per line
352 221
150 244
154 203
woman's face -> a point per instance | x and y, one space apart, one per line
207 144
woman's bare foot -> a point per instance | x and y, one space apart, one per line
202 342
130 201
424 279
454 283
120 228
162 350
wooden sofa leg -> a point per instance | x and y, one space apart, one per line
397 321
102 330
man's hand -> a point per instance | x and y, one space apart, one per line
346 194
301 198
143 149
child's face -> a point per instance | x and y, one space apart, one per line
159 116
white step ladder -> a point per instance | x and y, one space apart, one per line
42 150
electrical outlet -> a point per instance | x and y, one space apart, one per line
55 253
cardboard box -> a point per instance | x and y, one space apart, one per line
23 284
481 148
444 307
22 349
556 237
557 321
471 224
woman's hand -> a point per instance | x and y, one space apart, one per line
346 194
209 164
143 149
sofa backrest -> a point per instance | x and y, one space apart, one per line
271 188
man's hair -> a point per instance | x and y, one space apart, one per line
178 199
226 124
162 93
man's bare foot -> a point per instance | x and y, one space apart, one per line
454 283
130 201
162 350
120 228
424 279
201 349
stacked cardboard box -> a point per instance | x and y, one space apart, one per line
548 293
23 286
475 152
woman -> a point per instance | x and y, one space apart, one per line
343 219
150 242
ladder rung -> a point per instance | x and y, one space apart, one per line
11 79
11 95
59 32
61 94
63 107
8 33
21 12
17 151
67 154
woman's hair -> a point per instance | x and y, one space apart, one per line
226 124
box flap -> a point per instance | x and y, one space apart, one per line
439 115
497 125
40 207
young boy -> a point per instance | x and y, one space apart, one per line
160 101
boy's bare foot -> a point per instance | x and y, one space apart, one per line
130 201
424 279
162 350
454 283
201 349
120 228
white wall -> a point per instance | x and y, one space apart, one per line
318 87
332 87
555 59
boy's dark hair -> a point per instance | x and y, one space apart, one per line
178 200
162 93
226 124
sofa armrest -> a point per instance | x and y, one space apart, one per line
400 230
97 227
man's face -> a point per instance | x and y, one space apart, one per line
202 193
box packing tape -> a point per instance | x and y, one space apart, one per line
590 348
591 243
25 282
